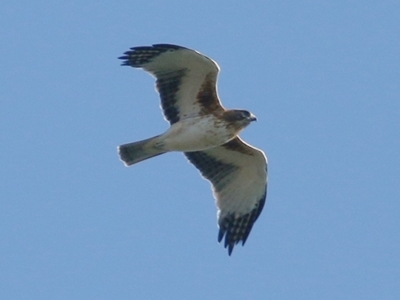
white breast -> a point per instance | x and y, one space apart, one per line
195 134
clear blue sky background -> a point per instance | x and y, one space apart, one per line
323 78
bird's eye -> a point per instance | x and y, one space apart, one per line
245 114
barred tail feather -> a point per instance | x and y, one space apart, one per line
133 153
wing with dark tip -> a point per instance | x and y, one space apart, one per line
238 174
185 79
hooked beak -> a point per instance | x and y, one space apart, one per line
252 118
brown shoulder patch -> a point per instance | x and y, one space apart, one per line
238 145
207 96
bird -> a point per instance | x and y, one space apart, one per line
205 132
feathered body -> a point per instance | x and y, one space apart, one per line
206 132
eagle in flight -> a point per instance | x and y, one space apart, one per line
205 132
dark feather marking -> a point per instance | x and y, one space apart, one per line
212 169
236 229
168 84
207 96
138 56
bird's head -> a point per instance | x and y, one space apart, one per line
239 118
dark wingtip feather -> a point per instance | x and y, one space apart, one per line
230 249
125 62
221 234
227 243
138 56
236 230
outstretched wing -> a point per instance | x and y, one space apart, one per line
186 79
238 174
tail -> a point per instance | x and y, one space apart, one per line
133 153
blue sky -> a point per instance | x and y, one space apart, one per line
323 78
